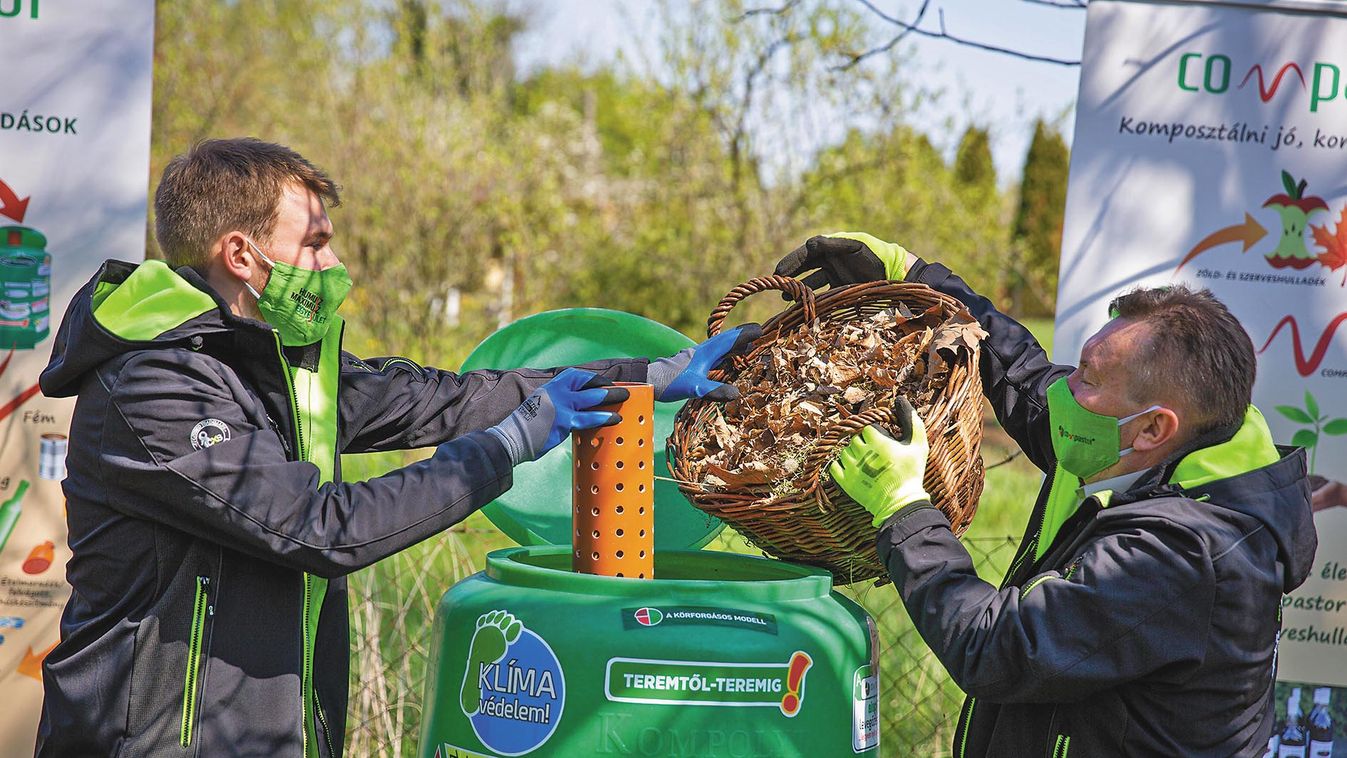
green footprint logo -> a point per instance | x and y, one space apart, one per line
495 631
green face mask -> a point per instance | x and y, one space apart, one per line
300 302
1085 442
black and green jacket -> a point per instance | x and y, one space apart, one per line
1147 623
209 526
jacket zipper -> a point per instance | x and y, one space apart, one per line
294 398
327 731
305 646
1028 548
191 681
1060 741
966 716
965 719
306 665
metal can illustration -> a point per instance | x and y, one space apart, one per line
51 456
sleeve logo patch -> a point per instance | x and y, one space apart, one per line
211 431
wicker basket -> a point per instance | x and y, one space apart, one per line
822 526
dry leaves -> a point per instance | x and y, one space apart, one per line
808 379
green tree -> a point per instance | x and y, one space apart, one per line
898 187
973 166
1037 228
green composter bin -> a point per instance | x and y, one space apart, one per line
25 288
720 655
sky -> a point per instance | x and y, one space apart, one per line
992 90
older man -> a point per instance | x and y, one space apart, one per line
1140 615
210 528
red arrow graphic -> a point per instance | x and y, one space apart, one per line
1306 366
11 205
23 397
1248 233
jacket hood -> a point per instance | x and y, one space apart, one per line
1249 474
127 307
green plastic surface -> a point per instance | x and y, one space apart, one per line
537 509
693 662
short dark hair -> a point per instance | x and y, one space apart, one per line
225 184
1195 346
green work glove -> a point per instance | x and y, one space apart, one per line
884 474
844 258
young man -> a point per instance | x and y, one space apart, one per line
1141 613
210 528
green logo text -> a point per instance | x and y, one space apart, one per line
13 8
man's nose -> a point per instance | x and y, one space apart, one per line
327 258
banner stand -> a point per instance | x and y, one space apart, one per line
75 139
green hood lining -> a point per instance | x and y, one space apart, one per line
1250 449
151 301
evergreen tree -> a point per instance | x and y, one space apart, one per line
973 167
1037 229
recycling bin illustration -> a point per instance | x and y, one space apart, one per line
25 288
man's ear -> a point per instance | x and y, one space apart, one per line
236 258
1157 429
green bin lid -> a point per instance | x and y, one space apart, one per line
537 509
22 236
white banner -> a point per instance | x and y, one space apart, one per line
1211 149
74 165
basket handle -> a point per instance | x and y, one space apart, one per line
802 293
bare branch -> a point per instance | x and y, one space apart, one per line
769 11
1012 457
913 27
1069 4
908 28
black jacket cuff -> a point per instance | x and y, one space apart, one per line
911 519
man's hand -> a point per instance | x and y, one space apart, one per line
844 258
556 409
1330 494
683 375
884 474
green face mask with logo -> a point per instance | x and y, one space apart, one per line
1085 442
300 302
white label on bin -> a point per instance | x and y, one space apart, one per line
864 710
714 683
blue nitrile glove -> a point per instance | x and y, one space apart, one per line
556 409
844 258
884 474
683 375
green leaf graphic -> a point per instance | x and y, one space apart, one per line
1311 406
1337 427
1305 438
1295 414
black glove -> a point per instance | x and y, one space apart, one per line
843 260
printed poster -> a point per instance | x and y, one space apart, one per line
1211 150
74 164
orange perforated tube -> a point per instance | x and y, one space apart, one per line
613 497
